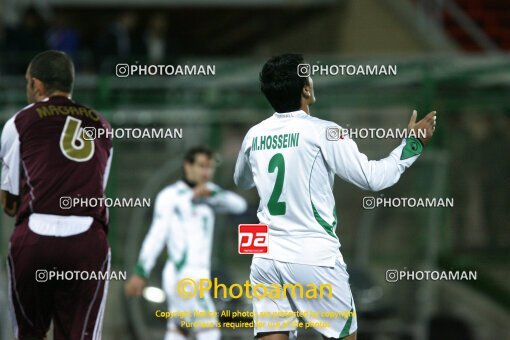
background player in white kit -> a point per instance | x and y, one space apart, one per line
184 221
291 158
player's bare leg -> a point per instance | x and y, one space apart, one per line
273 336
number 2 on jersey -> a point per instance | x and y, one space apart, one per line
277 163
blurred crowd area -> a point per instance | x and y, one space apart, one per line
124 35
480 180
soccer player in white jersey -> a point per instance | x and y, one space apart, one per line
292 158
184 221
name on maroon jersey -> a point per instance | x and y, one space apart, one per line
56 110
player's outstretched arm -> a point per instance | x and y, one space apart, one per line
225 201
343 156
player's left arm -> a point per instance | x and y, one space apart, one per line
10 159
344 158
224 201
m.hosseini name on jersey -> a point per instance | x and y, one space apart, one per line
64 110
281 141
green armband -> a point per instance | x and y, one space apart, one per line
140 271
413 147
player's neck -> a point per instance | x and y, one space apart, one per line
305 108
189 183
55 94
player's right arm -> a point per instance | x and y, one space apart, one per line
152 246
243 176
10 158
350 164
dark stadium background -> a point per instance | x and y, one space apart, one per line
452 56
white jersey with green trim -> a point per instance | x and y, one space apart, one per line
291 158
185 225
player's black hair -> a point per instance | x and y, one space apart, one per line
280 82
54 69
191 154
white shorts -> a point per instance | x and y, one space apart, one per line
333 316
201 309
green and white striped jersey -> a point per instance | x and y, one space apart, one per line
292 158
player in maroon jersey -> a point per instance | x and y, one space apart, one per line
47 161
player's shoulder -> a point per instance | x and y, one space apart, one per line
261 126
318 128
9 135
26 108
23 112
173 191
321 123
10 123
168 189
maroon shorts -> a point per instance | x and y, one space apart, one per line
75 305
